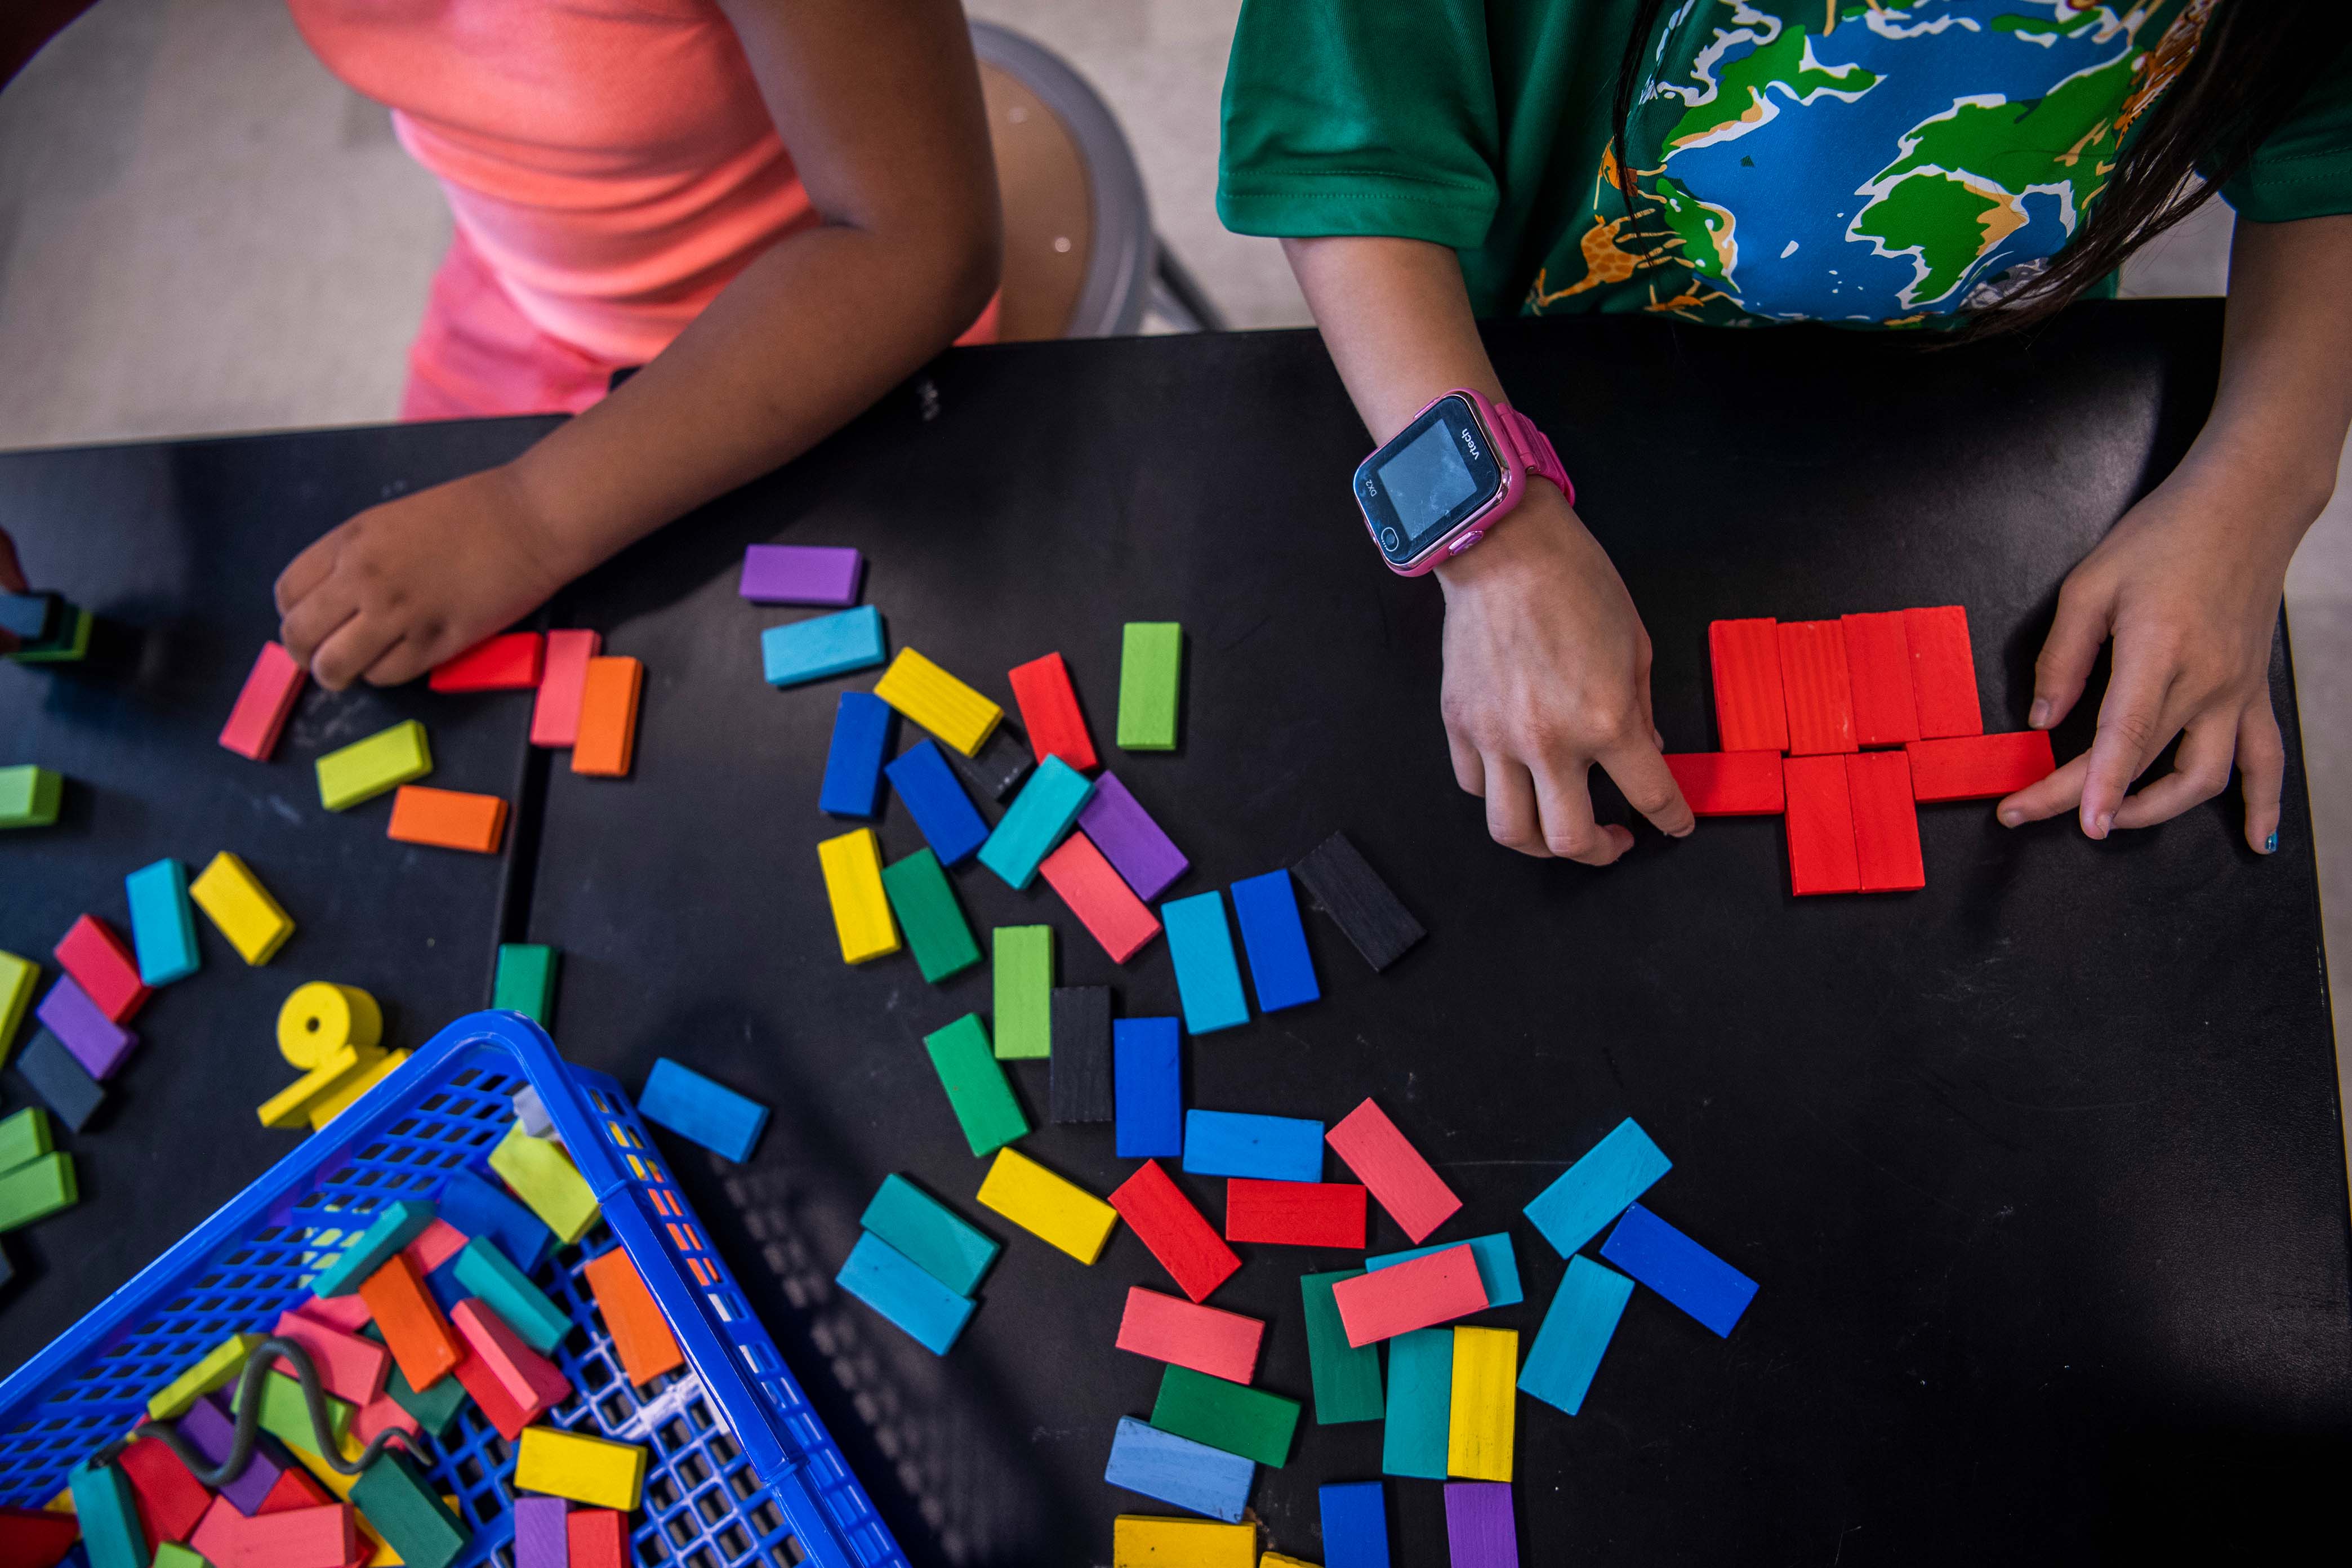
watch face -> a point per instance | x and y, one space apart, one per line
1437 473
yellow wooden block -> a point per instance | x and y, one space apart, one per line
938 701
218 1369
1485 1403
1047 1205
853 881
592 1470
321 1017
359 1083
329 1477
236 902
550 1186
1277 1560
292 1106
1139 1540
16 978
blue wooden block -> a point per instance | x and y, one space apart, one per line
394 1226
1041 814
1596 1189
1178 1470
929 1235
935 799
162 923
1147 1089
852 763
1420 1405
474 1207
1206 976
445 1289
1280 970
1679 1269
1499 1265
692 1106
483 1270
1576 1330
1270 1148
1355 1524
828 645
889 1281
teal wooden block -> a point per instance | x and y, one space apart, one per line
162 923
1041 814
1420 1403
889 1281
1207 978
930 1235
1576 1331
827 644
108 1510
1499 1265
487 1272
1598 1188
394 1228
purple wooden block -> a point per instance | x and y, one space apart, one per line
209 1428
1478 1528
540 1540
801 574
1129 839
97 1041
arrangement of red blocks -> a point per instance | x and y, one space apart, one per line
1811 713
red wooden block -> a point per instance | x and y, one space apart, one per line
1099 897
498 1406
102 966
1814 684
528 1377
35 1538
1206 1339
217 1538
1728 784
296 1488
1750 714
263 704
1294 1213
1435 1288
1943 672
1165 1221
1886 823
351 1367
172 1501
1820 819
1405 1185
1878 669
508 662
422 1343
1979 767
1049 710
597 1538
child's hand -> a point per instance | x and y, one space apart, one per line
404 585
1547 672
2188 584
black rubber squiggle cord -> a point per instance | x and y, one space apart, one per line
247 1404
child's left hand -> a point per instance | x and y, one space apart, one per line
409 583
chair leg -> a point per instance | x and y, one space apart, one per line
1178 296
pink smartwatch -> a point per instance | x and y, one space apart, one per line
1441 482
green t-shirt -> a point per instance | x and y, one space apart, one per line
1796 160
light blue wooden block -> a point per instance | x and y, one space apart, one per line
1679 1269
1178 1470
693 1106
1280 968
828 645
162 923
889 1281
931 1236
1596 1189
1576 1330
483 1270
394 1227
1206 976
1420 1403
1269 1148
1498 1264
1041 813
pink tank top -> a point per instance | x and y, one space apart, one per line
611 160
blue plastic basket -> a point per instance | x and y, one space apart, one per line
742 1471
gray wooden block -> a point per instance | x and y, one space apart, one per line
1081 1068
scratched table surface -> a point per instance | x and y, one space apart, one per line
2039 1169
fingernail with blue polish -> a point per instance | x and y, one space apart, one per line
2269 844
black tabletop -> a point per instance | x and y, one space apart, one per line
2039 1169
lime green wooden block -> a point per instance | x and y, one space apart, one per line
36 1189
64 648
171 1554
17 978
982 1100
1024 991
285 1416
544 1178
526 981
1150 655
24 1138
29 796
927 913
1228 1415
218 1369
365 769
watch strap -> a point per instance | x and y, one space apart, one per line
1533 449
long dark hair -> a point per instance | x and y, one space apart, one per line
2255 60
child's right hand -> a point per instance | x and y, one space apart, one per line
1546 673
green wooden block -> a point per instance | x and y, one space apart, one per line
933 1236
927 910
36 1189
1150 655
1232 1416
402 1509
108 1510
1347 1378
436 1409
29 796
1024 991
365 769
171 1554
983 1102
71 644
19 976
24 1138
487 1272
285 1416
526 982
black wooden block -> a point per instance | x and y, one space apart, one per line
72 1095
32 616
1081 1070
1003 761
1352 894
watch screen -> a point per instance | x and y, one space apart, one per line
1436 474
1425 479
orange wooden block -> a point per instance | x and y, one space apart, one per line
420 1339
1816 687
608 716
641 1336
447 817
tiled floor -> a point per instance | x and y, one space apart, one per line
200 230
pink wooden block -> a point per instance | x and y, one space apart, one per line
263 705
527 1376
1401 1182
349 1313
1436 1288
351 1367
440 1242
383 1415
1206 1339
555 716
